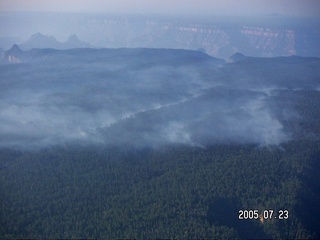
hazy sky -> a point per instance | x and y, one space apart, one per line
196 7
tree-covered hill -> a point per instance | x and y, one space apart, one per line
153 143
177 192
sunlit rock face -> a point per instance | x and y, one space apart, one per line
219 37
220 41
270 42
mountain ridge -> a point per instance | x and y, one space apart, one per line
17 55
39 40
156 95
265 36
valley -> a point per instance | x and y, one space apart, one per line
168 143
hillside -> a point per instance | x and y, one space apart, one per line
158 143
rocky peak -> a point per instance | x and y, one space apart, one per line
73 38
74 42
38 36
236 57
15 50
13 55
39 40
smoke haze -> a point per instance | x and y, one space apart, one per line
143 97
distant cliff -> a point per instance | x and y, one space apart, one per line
218 37
121 56
39 40
264 36
14 55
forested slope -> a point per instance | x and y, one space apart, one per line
151 143
178 192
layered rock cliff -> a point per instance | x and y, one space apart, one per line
219 38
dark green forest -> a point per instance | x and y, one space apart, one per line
176 191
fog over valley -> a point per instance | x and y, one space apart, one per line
146 97
151 119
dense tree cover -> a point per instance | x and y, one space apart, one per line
303 121
174 192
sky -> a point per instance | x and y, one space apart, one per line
199 7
